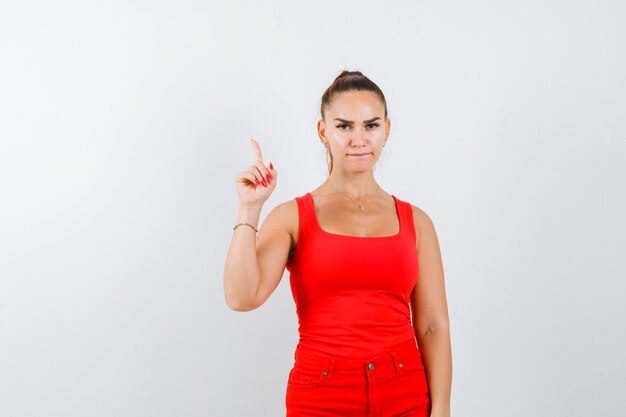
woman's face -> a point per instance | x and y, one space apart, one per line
355 130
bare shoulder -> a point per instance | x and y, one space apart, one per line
285 217
420 216
424 227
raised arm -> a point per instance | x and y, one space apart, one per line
254 266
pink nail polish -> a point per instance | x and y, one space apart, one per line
268 177
257 181
271 166
264 183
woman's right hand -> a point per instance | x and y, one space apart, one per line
256 183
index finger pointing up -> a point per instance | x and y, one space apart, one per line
257 150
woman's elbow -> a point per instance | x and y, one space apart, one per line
239 305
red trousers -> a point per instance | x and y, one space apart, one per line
392 384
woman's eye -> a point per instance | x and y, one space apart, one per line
372 125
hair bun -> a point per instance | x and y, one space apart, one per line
346 73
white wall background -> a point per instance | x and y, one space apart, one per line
122 126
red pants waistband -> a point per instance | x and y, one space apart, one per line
394 354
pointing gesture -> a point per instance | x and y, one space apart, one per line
257 150
256 183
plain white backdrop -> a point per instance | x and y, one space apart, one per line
123 125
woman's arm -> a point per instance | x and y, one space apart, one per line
430 315
254 266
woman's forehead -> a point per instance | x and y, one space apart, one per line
362 106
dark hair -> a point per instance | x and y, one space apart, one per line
348 81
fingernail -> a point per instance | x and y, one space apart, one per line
264 183
268 177
257 181
271 166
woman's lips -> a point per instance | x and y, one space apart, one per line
358 154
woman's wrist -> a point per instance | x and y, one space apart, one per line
249 214
252 207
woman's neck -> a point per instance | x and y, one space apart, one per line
356 186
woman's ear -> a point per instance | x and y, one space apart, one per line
321 131
388 124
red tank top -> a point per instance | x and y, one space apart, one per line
352 293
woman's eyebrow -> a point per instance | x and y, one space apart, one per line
351 122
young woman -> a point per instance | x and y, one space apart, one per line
365 272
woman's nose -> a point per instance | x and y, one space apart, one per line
358 137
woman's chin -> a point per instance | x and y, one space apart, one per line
358 167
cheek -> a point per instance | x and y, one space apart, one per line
339 140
